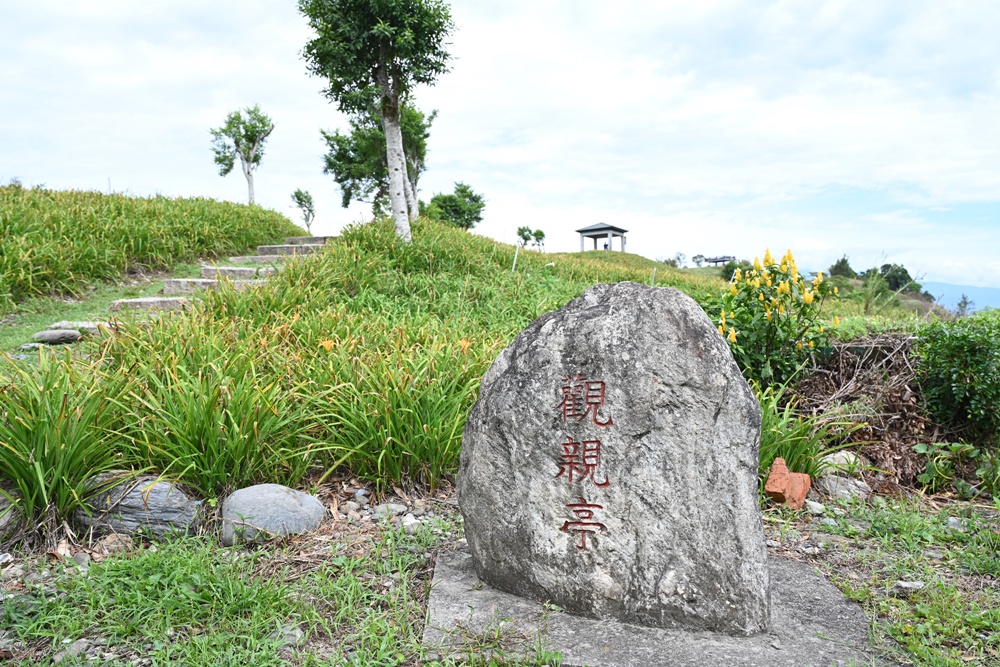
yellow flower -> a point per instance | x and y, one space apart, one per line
781 309
807 298
756 263
761 297
836 321
819 278
768 311
799 346
784 266
732 289
732 335
738 276
756 283
732 315
723 317
722 330
768 281
812 344
836 290
464 344
768 260
326 344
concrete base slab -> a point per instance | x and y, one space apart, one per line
260 259
813 625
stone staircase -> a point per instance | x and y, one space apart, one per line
177 290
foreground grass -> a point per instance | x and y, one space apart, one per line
953 549
332 599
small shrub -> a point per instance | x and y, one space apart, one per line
770 317
729 269
959 372
800 441
944 464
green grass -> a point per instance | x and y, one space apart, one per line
60 242
955 619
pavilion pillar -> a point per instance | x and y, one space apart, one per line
581 242
611 239
623 243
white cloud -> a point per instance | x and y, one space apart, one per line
711 127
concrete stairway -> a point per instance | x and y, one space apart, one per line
242 277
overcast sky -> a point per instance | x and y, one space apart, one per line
867 128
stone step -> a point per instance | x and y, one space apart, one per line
259 259
151 303
173 286
89 328
244 272
289 249
308 240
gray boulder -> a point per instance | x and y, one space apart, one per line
268 510
146 504
840 487
89 328
610 467
57 336
10 519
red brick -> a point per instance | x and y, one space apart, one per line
787 487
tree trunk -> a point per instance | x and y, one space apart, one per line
411 202
248 172
411 180
397 174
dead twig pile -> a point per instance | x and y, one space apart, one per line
873 381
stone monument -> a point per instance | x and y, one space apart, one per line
610 467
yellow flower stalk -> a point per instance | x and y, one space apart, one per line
812 344
761 296
732 335
738 276
756 263
732 289
768 260
722 330
819 278
807 298
836 321
836 290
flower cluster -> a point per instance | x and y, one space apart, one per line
770 317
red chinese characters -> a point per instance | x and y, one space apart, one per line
584 524
579 461
581 397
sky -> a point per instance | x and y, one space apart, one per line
863 128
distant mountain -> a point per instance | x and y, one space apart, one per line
949 295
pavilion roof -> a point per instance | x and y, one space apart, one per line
596 230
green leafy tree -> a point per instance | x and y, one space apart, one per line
463 209
357 160
539 239
242 136
898 278
380 49
304 201
525 235
698 260
842 267
964 307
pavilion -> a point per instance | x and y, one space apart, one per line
602 231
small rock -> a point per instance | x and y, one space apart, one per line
815 508
82 559
6 558
360 493
352 506
73 650
89 328
31 346
904 589
786 487
774 544
289 636
955 523
353 517
389 509
57 336
828 521
410 524
11 573
113 544
843 461
267 510
19 357
934 554
839 487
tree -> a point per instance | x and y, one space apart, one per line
898 278
698 260
242 137
526 235
463 209
379 48
357 160
539 237
304 201
842 267
964 307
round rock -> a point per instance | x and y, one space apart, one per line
57 336
146 504
268 510
610 463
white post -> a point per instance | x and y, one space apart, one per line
610 240
623 243
581 242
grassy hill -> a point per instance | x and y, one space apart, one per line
58 242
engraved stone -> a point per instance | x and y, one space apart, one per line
610 467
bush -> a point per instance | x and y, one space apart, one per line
843 268
959 371
770 318
729 269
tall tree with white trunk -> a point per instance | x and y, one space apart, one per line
380 47
242 137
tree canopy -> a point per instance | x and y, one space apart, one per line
357 160
304 201
381 48
463 209
242 136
